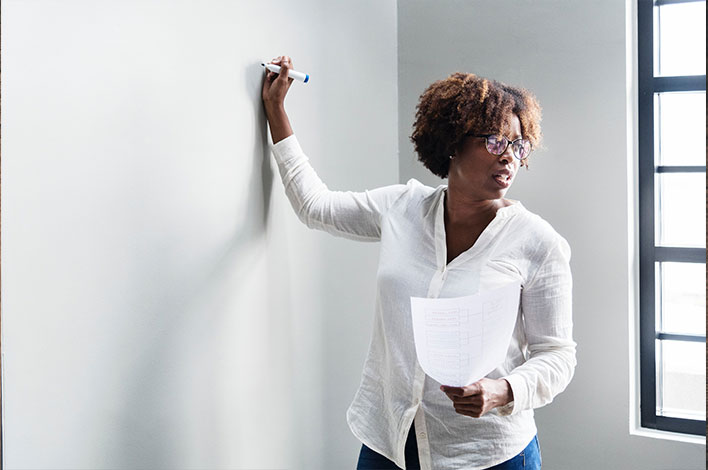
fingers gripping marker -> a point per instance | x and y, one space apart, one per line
303 77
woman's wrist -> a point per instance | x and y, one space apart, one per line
274 107
507 394
278 121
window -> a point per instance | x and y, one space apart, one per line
672 237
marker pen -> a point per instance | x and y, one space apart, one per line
303 77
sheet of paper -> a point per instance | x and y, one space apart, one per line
460 340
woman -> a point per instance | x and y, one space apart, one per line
448 241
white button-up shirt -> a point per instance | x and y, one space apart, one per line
394 392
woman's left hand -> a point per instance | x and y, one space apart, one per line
478 398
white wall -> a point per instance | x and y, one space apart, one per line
162 305
573 56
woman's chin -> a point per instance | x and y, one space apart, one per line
499 192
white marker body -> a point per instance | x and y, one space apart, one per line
303 77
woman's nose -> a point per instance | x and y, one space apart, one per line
507 156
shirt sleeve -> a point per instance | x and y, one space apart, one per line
546 303
353 215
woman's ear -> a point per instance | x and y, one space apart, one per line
467 140
458 149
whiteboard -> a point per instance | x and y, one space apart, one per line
162 306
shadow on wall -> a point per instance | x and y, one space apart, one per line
148 440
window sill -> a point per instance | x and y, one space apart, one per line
666 435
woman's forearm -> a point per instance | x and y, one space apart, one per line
275 88
278 122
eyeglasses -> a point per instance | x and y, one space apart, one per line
497 145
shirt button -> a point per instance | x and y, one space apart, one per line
423 435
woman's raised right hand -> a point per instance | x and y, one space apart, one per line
276 86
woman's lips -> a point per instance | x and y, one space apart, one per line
502 180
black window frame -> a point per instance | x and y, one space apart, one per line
649 253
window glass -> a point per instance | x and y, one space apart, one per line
681 379
680 219
681 298
673 393
680 48
680 128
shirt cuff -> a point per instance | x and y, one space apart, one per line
518 388
287 149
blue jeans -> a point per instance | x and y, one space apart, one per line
529 458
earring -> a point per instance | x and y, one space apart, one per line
451 157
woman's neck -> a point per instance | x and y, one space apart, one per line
463 209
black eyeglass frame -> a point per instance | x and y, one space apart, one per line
508 143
